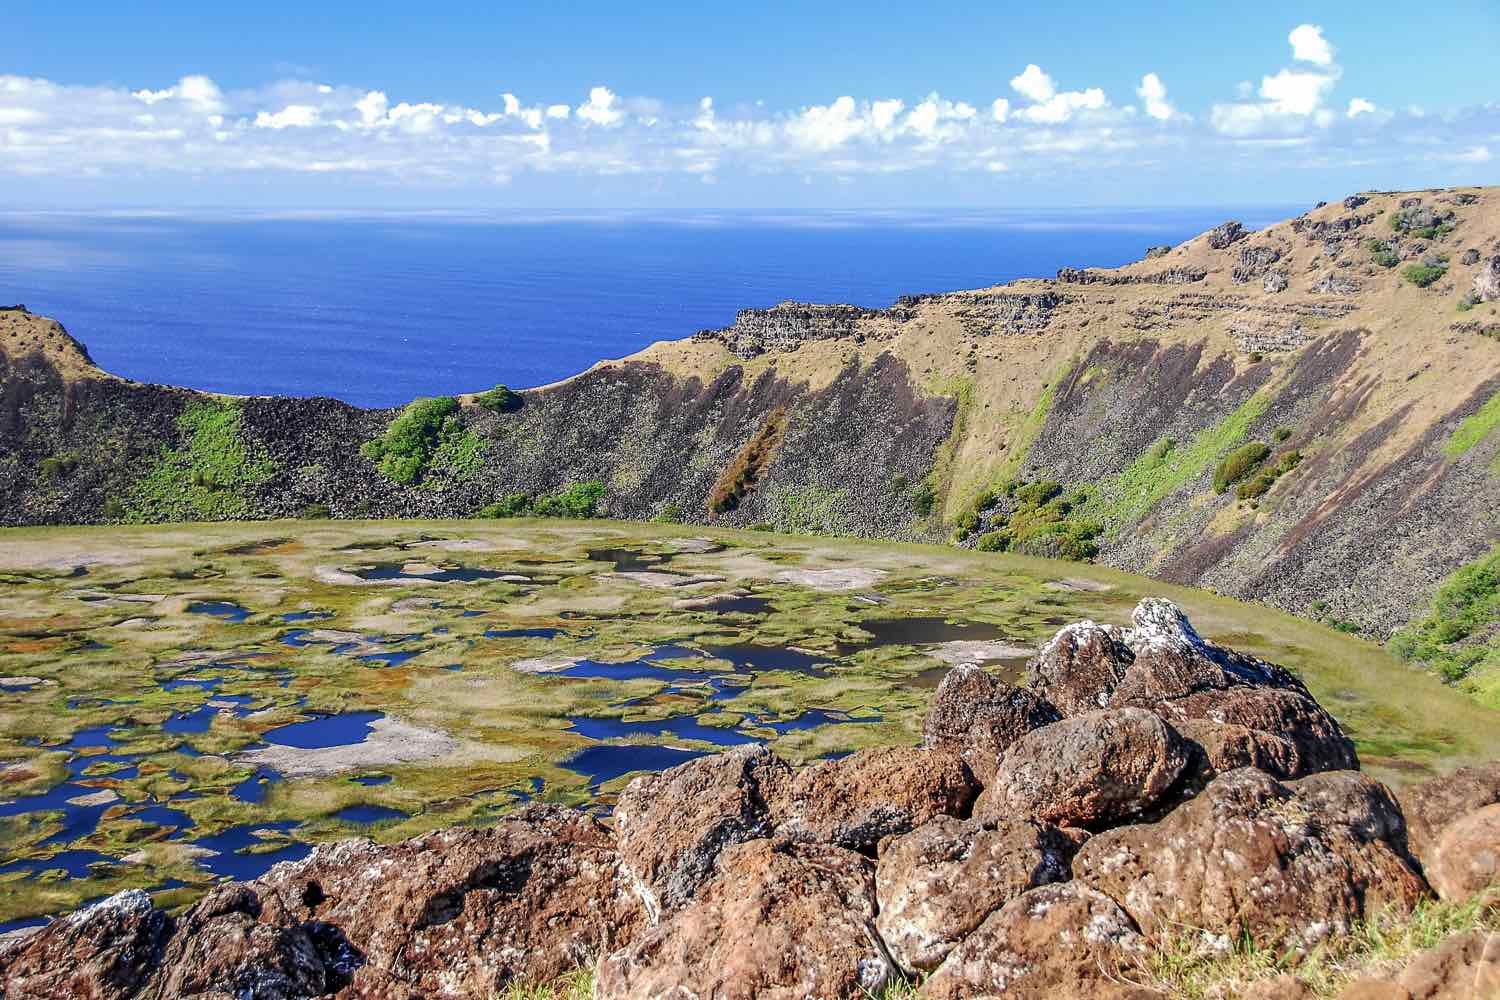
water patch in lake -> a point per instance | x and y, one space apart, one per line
77 864
325 731
366 815
242 852
685 727
433 574
926 631
370 780
627 560
604 763
295 617
524 633
225 610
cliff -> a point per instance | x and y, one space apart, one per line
1358 345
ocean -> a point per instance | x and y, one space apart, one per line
381 308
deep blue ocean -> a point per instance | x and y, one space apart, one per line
379 309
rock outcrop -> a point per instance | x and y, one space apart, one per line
739 876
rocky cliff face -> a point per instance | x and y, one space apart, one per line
1354 343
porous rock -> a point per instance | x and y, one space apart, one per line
101 952
939 882
778 921
1063 940
1285 863
1431 805
1079 667
854 801
1087 771
980 716
671 826
1487 281
1465 860
1465 967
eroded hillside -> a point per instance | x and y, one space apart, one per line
1302 415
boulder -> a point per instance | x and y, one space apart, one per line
239 942
854 801
1354 201
1465 967
980 716
1274 282
1431 805
1470 256
1238 710
1063 940
1089 771
1487 281
462 912
1465 860
101 952
1226 234
1285 863
939 882
671 826
1079 668
778 921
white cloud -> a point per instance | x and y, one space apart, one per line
1034 84
1309 45
1000 109
1291 92
198 92
372 107
883 113
291 116
1153 93
601 108
1359 106
825 127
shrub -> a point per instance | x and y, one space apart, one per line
56 466
1386 258
992 541
577 500
1423 275
1282 433
1038 493
403 452
210 477
511 505
499 400
968 521
670 514
1469 301
1239 463
924 499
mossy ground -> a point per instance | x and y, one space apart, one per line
100 616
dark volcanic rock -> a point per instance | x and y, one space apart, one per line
671 826
1055 941
1487 281
1253 262
1226 234
102 952
854 801
938 883
1285 863
1088 770
776 922
980 716
786 325
1079 668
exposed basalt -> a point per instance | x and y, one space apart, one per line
1184 275
982 314
787 325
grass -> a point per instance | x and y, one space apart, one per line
1166 467
1181 967
1474 429
1423 275
1240 463
1460 636
1267 477
580 986
207 478
410 442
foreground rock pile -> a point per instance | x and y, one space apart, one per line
1144 785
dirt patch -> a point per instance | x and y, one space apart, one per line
852 578
390 741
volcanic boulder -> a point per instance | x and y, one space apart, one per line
671 826
1431 805
102 952
1064 940
1089 770
1080 667
777 921
1286 863
1465 860
854 801
980 716
938 883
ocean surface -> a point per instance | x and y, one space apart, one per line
379 309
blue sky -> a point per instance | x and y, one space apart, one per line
741 106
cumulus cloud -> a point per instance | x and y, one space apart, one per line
602 108
1359 106
1153 94
1309 45
1049 106
291 116
1034 84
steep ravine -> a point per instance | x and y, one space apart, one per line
1362 336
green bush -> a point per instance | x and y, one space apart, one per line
1037 493
1239 463
967 522
1423 275
57 466
498 400
511 505
577 500
1282 433
670 514
992 541
1462 630
1264 480
210 478
1386 258
924 499
403 452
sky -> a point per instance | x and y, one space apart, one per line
874 105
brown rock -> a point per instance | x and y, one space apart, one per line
1283 987
671 826
100 952
1286 863
938 883
237 942
980 716
854 801
1487 281
1466 967
1433 804
1078 670
1064 940
1465 861
1088 770
777 922
462 912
